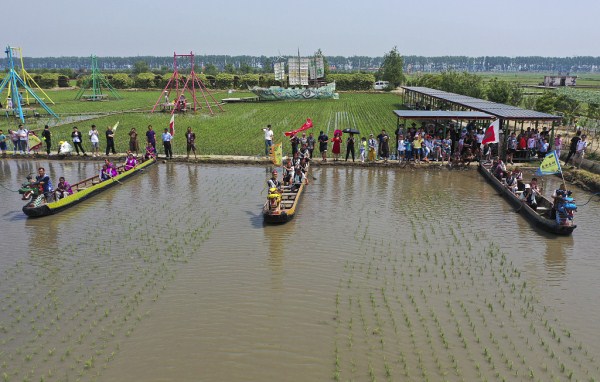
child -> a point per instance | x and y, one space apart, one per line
408 149
401 148
363 149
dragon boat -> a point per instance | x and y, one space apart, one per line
85 189
556 222
278 93
282 206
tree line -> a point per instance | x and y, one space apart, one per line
263 64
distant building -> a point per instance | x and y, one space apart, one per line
560 80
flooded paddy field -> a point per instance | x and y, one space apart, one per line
384 274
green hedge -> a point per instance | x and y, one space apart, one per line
144 80
352 81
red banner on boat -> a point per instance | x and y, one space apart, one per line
307 125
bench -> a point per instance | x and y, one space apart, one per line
524 156
94 97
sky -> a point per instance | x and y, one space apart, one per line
338 28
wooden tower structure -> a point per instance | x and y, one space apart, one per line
95 83
12 82
180 84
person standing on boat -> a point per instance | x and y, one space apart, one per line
294 141
323 140
110 141
43 180
47 136
151 137
190 138
95 140
167 138
268 139
76 137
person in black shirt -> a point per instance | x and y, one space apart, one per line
76 137
350 147
323 139
110 141
47 136
573 146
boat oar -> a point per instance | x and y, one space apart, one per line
6 188
589 200
520 207
115 180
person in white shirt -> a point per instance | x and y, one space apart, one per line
22 134
581 146
166 138
268 139
95 140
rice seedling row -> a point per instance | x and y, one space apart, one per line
457 312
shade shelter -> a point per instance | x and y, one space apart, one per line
417 97
441 115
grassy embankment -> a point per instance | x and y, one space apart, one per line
236 131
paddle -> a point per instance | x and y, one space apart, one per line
6 188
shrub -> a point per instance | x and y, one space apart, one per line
144 80
47 80
120 80
224 80
63 81
249 80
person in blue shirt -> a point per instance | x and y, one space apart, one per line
167 138
43 180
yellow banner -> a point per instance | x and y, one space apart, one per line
549 165
277 156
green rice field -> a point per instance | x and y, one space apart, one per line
235 131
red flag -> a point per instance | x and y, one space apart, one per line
172 125
307 125
492 134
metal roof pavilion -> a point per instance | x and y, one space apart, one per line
499 110
442 114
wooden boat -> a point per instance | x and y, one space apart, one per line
81 191
285 207
541 217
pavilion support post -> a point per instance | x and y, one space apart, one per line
552 137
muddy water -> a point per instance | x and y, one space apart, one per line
384 274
